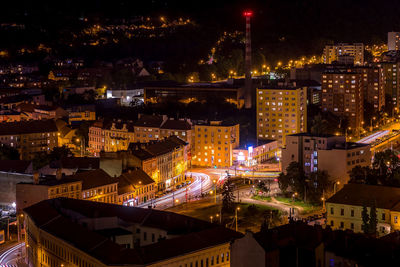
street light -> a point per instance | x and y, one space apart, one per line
334 186
236 217
211 218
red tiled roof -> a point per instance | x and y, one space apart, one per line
92 179
176 125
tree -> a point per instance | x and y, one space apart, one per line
386 163
294 178
9 153
227 196
363 175
365 219
373 220
319 126
317 184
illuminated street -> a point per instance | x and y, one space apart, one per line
11 256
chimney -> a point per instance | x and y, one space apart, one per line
58 174
36 177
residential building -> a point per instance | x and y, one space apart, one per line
213 144
110 136
181 128
326 152
344 53
391 82
66 232
41 112
281 111
135 187
300 244
147 128
393 42
43 188
343 95
256 155
373 87
165 161
344 209
97 186
29 137
81 113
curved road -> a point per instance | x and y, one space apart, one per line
10 256
202 184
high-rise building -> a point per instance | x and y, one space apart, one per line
342 94
373 86
281 111
391 82
214 143
344 53
393 41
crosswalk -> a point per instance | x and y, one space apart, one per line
8 265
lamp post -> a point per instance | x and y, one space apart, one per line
211 219
82 144
335 186
236 217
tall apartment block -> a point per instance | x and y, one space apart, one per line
344 53
390 81
373 86
281 111
393 41
342 94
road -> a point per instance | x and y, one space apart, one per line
10 256
202 183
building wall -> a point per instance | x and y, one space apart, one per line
391 81
393 41
214 144
29 194
281 112
339 162
246 251
335 52
216 256
8 182
146 134
341 216
342 94
106 193
81 116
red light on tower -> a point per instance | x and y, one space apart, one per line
248 13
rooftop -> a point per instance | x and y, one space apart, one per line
17 166
76 163
361 194
176 125
92 179
27 127
55 217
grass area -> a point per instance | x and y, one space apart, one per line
263 198
307 207
250 216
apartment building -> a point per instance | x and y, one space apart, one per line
281 111
328 153
147 128
165 161
181 128
393 42
214 143
43 188
344 53
391 82
110 136
342 94
344 209
68 232
29 137
373 86
135 187
97 185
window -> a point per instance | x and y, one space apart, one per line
342 212
341 224
352 226
144 236
332 211
153 237
352 213
332 223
